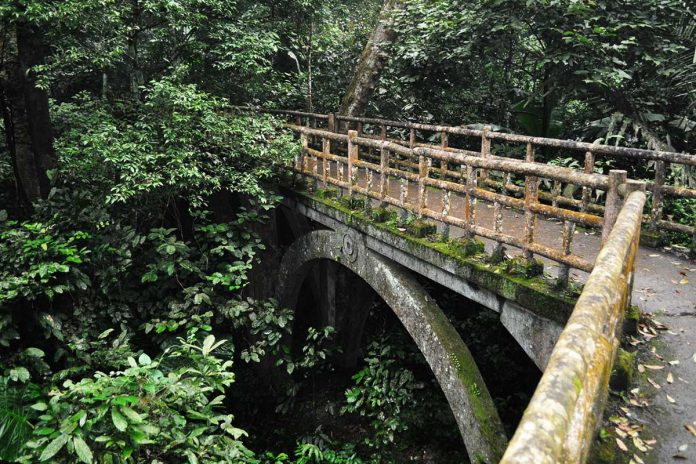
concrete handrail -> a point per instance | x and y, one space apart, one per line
659 186
559 423
459 174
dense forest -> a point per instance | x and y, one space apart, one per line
133 203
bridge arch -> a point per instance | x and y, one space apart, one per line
436 338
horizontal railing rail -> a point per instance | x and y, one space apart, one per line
560 421
659 187
339 159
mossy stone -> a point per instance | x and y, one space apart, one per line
381 215
622 375
520 265
352 202
327 193
651 238
420 228
631 319
468 246
498 255
603 452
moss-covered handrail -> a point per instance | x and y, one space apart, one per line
559 423
659 186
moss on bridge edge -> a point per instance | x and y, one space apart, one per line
537 294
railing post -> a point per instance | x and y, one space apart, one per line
383 132
445 213
566 243
444 143
325 150
423 163
298 120
587 191
412 139
383 165
470 203
331 122
485 149
613 201
352 156
656 211
531 197
299 160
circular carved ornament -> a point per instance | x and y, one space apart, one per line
350 247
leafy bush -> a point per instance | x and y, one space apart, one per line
169 409
383 392
180 143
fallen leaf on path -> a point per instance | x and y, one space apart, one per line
641 368
683 447
670 399
654 384
638 443
684 281
622 445
638 459
653 367
670 377
674 362
654 256
691 429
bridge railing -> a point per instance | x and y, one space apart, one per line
412 134
394 174
560 421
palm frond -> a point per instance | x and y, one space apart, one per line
15 428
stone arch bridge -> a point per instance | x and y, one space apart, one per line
390 209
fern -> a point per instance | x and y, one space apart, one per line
15 412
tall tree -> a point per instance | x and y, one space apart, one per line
28 131
372 62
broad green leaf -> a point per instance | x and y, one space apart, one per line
40 406
34 352
82 450
120 422
54 447
131 414
144 360
208 343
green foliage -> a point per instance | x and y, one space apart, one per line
42 257
179 144
17 395
383 392
162 410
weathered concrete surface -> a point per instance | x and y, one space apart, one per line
443 349
666 286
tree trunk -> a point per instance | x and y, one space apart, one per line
28 130
135 70
372 62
